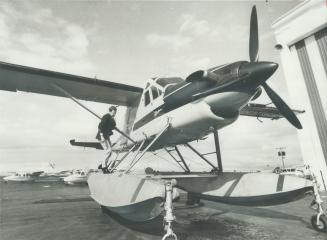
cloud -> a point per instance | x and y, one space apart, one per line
76 42
190 62
174 41
34 36
194 26
4 33
189 29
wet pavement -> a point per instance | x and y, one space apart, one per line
32 211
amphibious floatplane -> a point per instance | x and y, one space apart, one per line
167 113
23 177
77 177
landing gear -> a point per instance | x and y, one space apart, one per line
169 217
318 221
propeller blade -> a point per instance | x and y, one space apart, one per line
254 38
282 107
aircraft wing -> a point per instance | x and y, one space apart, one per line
21 78
263 111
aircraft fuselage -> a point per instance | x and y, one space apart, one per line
203 102
194 120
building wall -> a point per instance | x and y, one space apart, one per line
306 77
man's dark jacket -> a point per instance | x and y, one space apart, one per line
106 126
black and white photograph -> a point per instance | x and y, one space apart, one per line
163 119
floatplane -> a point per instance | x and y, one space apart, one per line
167 113
78 176
36 176
23 177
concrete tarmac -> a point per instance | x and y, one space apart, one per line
54 211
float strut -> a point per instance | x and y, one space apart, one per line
169 217
218 154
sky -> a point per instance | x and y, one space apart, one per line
129 42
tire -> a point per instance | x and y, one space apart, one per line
322 227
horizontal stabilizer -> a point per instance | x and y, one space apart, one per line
263 111
95 145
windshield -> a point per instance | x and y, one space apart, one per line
166 81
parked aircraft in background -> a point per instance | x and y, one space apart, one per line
23 177
77 177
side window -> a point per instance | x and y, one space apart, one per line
146 98
154 92
160 92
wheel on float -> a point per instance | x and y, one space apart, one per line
170 237
322 226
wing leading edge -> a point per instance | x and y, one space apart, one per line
21 78
263 111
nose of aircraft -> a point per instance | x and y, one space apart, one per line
258 72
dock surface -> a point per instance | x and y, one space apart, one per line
54 211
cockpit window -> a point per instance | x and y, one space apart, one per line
146 98
165 81
225 70
229 68
154 92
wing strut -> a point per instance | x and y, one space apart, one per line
182 159
74 99
147 147
89 110
201 156
185 168
220 165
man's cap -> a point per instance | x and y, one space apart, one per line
113 108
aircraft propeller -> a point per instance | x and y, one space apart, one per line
242 75
254 38
283 108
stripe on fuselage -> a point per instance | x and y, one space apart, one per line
148 117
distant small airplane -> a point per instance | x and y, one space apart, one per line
77 177
23 177
170 112
299 171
